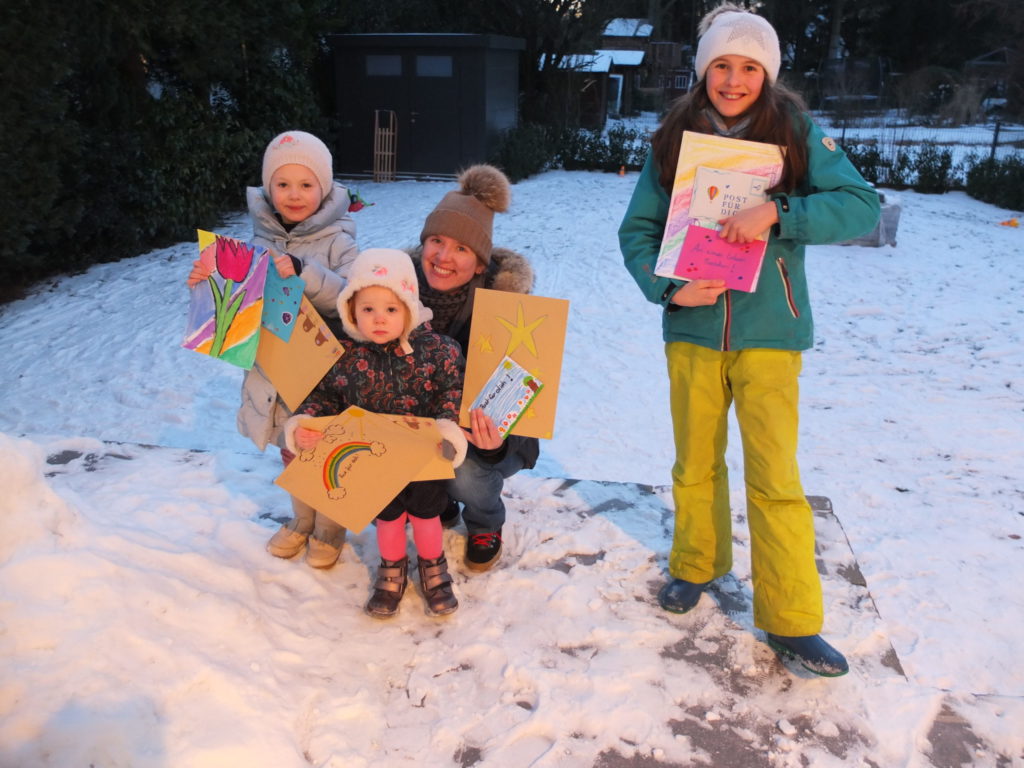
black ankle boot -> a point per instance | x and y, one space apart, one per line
437 586
392 576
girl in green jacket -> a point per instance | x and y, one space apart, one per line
724 346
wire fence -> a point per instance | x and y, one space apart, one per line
994 140
890 131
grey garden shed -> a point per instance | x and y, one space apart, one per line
449 98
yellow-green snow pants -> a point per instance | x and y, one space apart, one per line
763 384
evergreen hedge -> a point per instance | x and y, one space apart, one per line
128 124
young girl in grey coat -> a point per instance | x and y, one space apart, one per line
301 214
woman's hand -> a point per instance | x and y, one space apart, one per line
699 293
482 433
746 225
306 439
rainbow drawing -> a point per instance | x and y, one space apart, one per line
336 458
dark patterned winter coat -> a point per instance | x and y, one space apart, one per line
379 378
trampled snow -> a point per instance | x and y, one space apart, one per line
142 623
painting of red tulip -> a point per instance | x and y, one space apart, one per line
225 311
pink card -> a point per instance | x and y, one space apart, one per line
706 256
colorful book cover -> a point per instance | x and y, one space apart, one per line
709 151
719 193
507 395
225 312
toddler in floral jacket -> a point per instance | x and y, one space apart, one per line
392 366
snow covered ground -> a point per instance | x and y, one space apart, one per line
142 623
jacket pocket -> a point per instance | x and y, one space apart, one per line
787 286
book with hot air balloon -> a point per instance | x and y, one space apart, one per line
716 177
718 194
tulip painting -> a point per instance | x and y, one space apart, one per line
233 260
225 310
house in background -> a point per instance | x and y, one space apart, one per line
584 89
662 70
628 42
623 76
445 99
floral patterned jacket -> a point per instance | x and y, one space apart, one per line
379 378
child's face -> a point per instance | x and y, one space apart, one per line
448 264
379 314
295 193
734 83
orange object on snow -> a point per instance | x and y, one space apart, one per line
1010 223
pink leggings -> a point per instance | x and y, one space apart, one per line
427 534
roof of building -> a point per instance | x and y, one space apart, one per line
628 28
623 58
587 62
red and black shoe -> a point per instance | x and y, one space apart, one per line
483 550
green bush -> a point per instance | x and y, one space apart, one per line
867 159
532 148
926 168
936 172
129 125
999 182
524 151
581 149
627 147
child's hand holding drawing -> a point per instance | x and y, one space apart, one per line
306 439
750 224
698 293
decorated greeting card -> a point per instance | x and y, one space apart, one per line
436 468
225 311
282 297
359 465
529 330
295 366
706 256
701 150
507 394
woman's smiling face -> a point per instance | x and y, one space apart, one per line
448 264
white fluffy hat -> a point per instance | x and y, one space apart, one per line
389 268
299 148
729 29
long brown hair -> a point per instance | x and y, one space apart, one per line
774 118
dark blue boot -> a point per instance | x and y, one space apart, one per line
813 653
680 596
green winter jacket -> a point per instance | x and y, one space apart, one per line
833 204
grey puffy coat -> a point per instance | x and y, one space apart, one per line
325 244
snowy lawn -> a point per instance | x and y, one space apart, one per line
143 624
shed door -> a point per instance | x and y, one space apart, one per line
433 125
423 91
